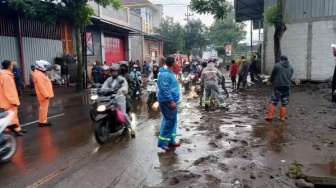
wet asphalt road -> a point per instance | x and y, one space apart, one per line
51 156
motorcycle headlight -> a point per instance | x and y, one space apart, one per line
94 97
101 108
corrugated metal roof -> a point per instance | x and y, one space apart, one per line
37 49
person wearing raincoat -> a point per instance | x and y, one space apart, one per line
168 97
211 77
155 72
44 91
9 99
131 85
113 83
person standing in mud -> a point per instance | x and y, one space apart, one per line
168 97
333 86
281 79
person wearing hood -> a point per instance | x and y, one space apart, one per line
186 68
18 78
104 76
44 91
131 85
211 77
9 99
281 80
113 83
96 72
155 72
168 97
31 80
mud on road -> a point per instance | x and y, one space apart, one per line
236 147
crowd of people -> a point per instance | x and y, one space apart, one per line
126 79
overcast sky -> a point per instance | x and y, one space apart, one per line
178 9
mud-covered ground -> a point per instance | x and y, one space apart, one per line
236 147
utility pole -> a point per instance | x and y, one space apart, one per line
188 15
187 19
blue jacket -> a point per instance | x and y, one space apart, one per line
168 86
17 76
135 75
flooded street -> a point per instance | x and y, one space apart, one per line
232 147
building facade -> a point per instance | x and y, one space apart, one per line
307 40
151 17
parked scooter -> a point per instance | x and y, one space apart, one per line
152 90
109 118
186 81
8 143
94 97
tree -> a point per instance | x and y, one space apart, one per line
218 8
276 16
77 11
196 35
227 31
173 34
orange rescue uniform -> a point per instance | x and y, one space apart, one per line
9 99
44 92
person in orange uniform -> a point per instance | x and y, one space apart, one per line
9 99
44 91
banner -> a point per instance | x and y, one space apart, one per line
228 50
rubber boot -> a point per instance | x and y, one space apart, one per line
282 113
201 99
271 109
206 107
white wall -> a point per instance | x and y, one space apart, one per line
323 62
295 44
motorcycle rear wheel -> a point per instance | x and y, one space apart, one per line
12 143
102 131
151 100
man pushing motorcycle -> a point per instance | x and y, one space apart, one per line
211 77
113 84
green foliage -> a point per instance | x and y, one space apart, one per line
196 34
78 11
271 15
227 31
221 50
82 15
294 171
174 36
218 8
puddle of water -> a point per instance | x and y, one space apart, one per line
323 169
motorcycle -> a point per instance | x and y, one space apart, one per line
109 118
186 81
152 90
193 78
8 143
94 97
138 88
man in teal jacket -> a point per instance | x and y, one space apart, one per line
168 97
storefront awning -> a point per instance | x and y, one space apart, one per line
249 10
156 37
114 28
